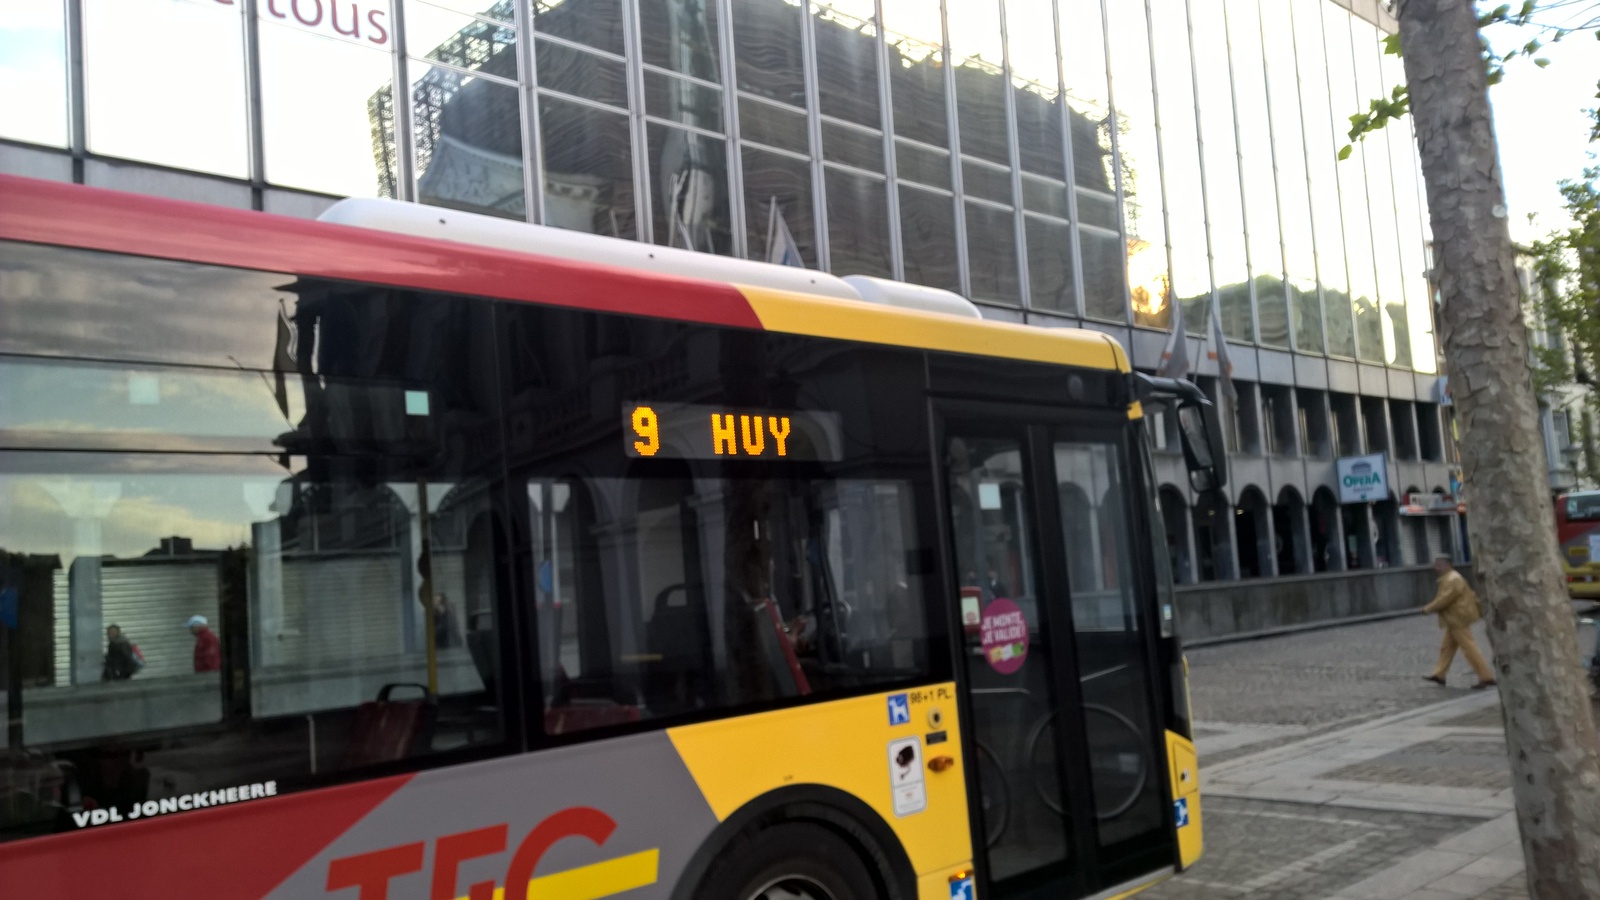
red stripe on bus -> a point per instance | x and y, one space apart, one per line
72 215
244 850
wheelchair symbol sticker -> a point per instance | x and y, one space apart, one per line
899 709
1180 811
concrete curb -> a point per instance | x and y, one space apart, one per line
1299 627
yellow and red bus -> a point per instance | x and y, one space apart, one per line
416 554
1578 531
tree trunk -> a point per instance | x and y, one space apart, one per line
1550 733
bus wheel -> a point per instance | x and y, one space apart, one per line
793 861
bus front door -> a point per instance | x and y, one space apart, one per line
1054 623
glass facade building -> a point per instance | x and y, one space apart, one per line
1060 162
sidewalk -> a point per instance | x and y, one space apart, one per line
1330 768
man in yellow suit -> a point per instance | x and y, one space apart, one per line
1457 607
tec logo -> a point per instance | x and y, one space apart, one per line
962 889
370 873
899 709
1180 811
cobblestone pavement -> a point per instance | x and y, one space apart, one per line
1329 768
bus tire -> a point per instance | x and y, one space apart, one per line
791 861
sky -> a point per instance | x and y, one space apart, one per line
1543 132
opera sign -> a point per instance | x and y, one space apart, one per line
1363 479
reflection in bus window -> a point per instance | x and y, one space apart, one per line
667 595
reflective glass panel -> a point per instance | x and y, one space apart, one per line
489 9
915 162
986 181
979 57
461 41
690 190
581 74
588 169
1344 102
1256 155
681 36
468 142
1140 172
1191 279
1036 93
766 47
322 100
1411 227
773 125
846 33
1050 283
858 224
928 238
33 72
199 123
852 146
992 254
916 70
1083 52
778 209
1219 152
1294 198
682 100
1393 333
1327 215
1104 291
597 23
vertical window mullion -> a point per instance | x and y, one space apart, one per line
1019 224
1116 166
730 117
959 201
256 139
405 139
77 127
897 260
643 200
819 192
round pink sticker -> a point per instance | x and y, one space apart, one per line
1005 636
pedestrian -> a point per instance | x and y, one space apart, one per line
1457 608
444 622
122 657
207 649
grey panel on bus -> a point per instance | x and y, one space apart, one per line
639 781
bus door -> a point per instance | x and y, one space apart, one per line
1057 654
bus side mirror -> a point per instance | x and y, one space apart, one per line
1201 433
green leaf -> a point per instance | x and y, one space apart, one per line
1344 152
1541 62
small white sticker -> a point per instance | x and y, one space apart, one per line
144 390
906 780
989 495
1594 548
416 403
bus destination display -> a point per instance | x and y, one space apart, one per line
693 431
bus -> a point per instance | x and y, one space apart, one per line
412 553
1578 531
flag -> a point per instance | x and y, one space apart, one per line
1175 356
781 248
1219 352
283 359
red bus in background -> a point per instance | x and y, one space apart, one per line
1578 530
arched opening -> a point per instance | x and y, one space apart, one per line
1253 534
1327 542
1357 521
1443 540
1291 538
1213 550
1414 533
1175 525
1386 549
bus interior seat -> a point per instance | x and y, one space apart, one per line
386 730
678 640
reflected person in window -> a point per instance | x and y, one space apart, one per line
207 648
121 660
